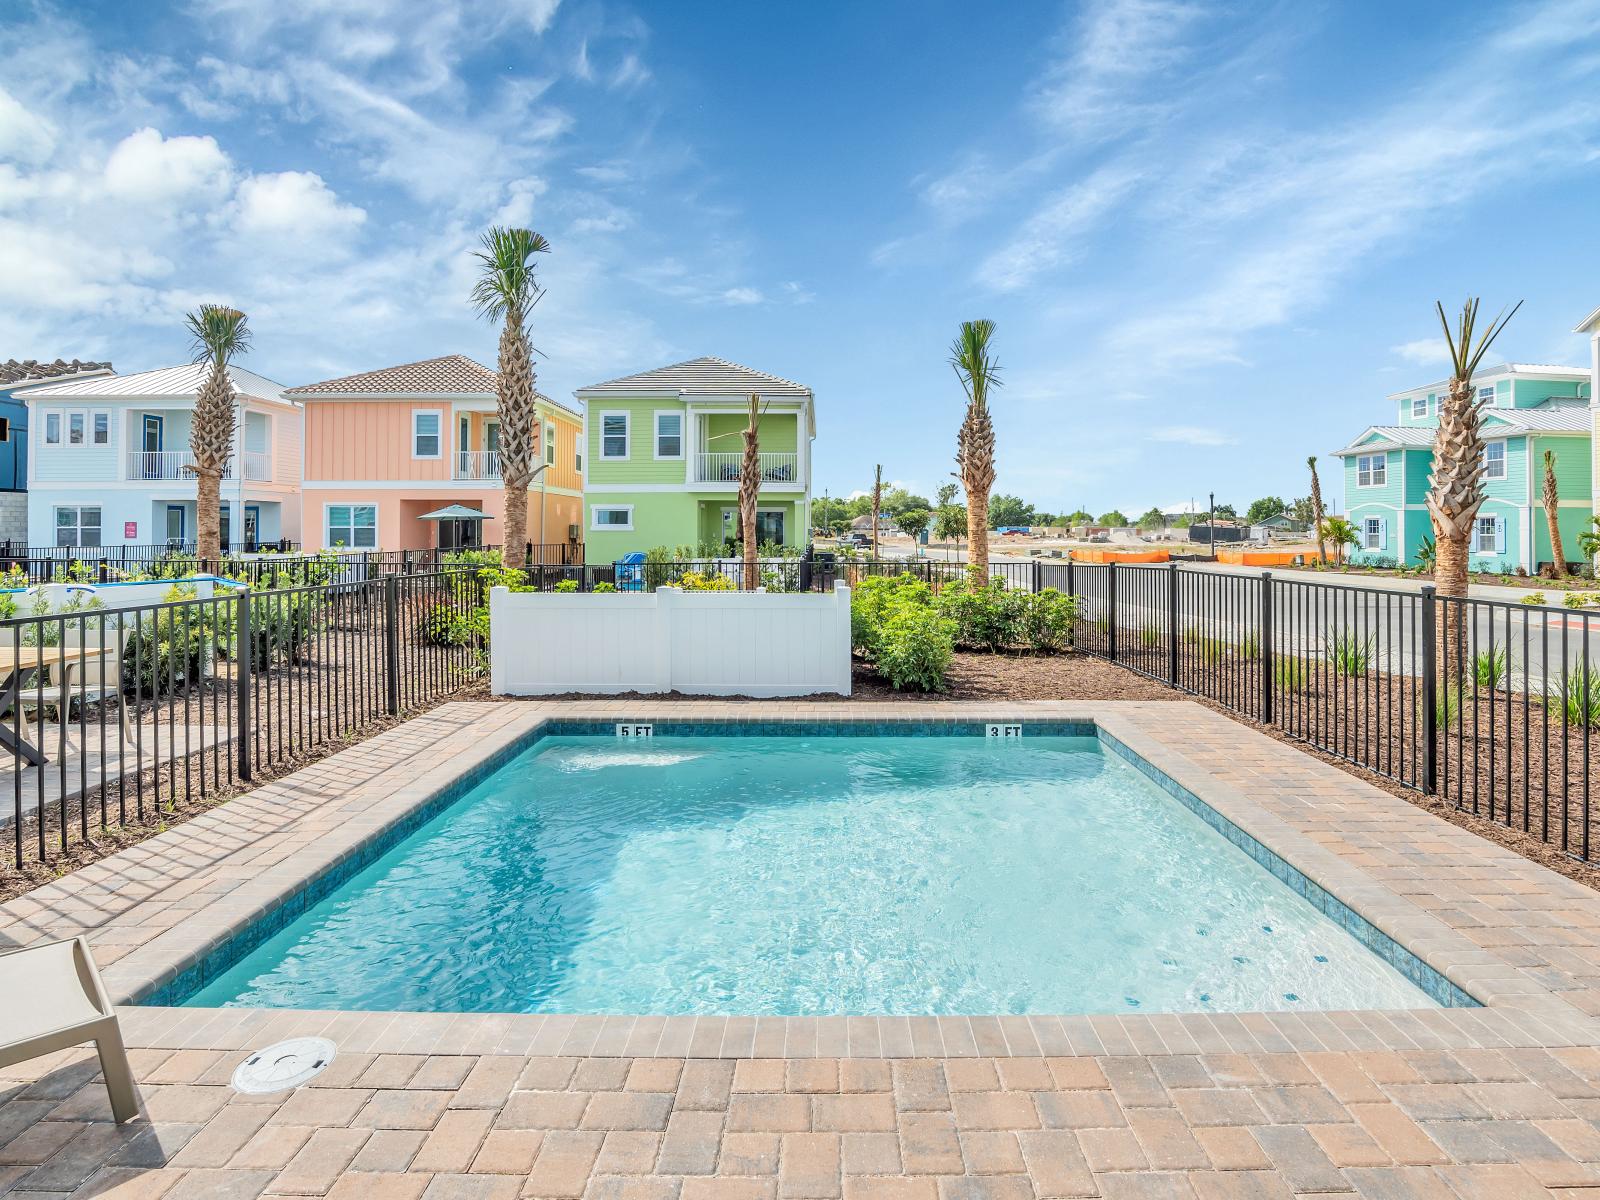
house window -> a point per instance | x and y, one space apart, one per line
1494 460
52 429
78 525
1372 470
102 429
1486 535
549 444
1419 406
669 435
353 525
618 516
1372 533
425 439
577 455
75 427
614 435
1486 396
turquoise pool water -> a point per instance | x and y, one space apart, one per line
813 876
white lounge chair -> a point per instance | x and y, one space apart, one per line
54 999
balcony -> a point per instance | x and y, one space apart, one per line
724 468
477 464
174 464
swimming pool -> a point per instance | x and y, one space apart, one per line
804 875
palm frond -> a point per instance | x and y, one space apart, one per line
973 364
217 333
506 272
1466 354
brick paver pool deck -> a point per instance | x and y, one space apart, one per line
1491 1102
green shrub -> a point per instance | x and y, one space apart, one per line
1149 637
1575 599
446 625
281 627
169 649
871 600
566 586
1447 703
1350 653
988 616
605 586
1250 646
1292 674
1532 598
1578 699
914 647
1489 668
694 581
657 567
1047 621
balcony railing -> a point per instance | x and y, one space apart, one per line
477 464
724 468
173 464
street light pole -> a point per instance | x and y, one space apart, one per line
1211 522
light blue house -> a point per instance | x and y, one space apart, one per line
1528 409
17 379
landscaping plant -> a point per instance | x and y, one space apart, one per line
1489 668
1577 699
218 334
977 370
1350 653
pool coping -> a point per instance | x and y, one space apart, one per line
158 936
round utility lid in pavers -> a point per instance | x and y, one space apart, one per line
283 1066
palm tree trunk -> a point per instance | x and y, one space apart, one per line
1316 510
519 434
208 517
1552 516
750 494
211 445
1455 494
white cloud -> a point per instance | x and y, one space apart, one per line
1424 352
146 168
23 135
1191 435
294 204
1053 236
742 295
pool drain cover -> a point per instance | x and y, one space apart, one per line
283 1066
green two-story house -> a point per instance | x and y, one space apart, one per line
1527 409
664 450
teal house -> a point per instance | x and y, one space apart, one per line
1527 409
663 450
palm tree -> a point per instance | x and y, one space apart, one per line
218 334
1455 489
1552 515
978 372
1340 532
505 291
750 492
877 505
1316 509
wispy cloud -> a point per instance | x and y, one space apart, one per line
1191 435
1053 235
1423 352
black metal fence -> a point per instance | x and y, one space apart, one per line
111 717
1492 706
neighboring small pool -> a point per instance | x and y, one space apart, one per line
813 876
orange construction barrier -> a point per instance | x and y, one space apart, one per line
1266 558
1096 555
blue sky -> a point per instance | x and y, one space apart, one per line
1211 236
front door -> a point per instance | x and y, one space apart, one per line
150 443
252 525
225 525
175 530
730 525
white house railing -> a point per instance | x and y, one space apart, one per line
723 467
477 464
173 464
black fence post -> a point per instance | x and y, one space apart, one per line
1072 583
1038 573
246 654
1172 623
1111 610
1430 690
391 642
1266 647
104 573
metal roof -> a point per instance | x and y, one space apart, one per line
1560 418
1390 437
176 383
1509 368
705 376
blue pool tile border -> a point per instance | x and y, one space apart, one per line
1442 990
289 908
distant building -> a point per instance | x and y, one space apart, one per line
16 379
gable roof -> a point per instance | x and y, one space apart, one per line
1590 324
14 371
1533 370
177 383
706 376
447 375
1388 437
1554 418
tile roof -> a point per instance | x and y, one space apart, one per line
182 382
701 377
15 371
449 374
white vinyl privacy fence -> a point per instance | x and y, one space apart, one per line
696 643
